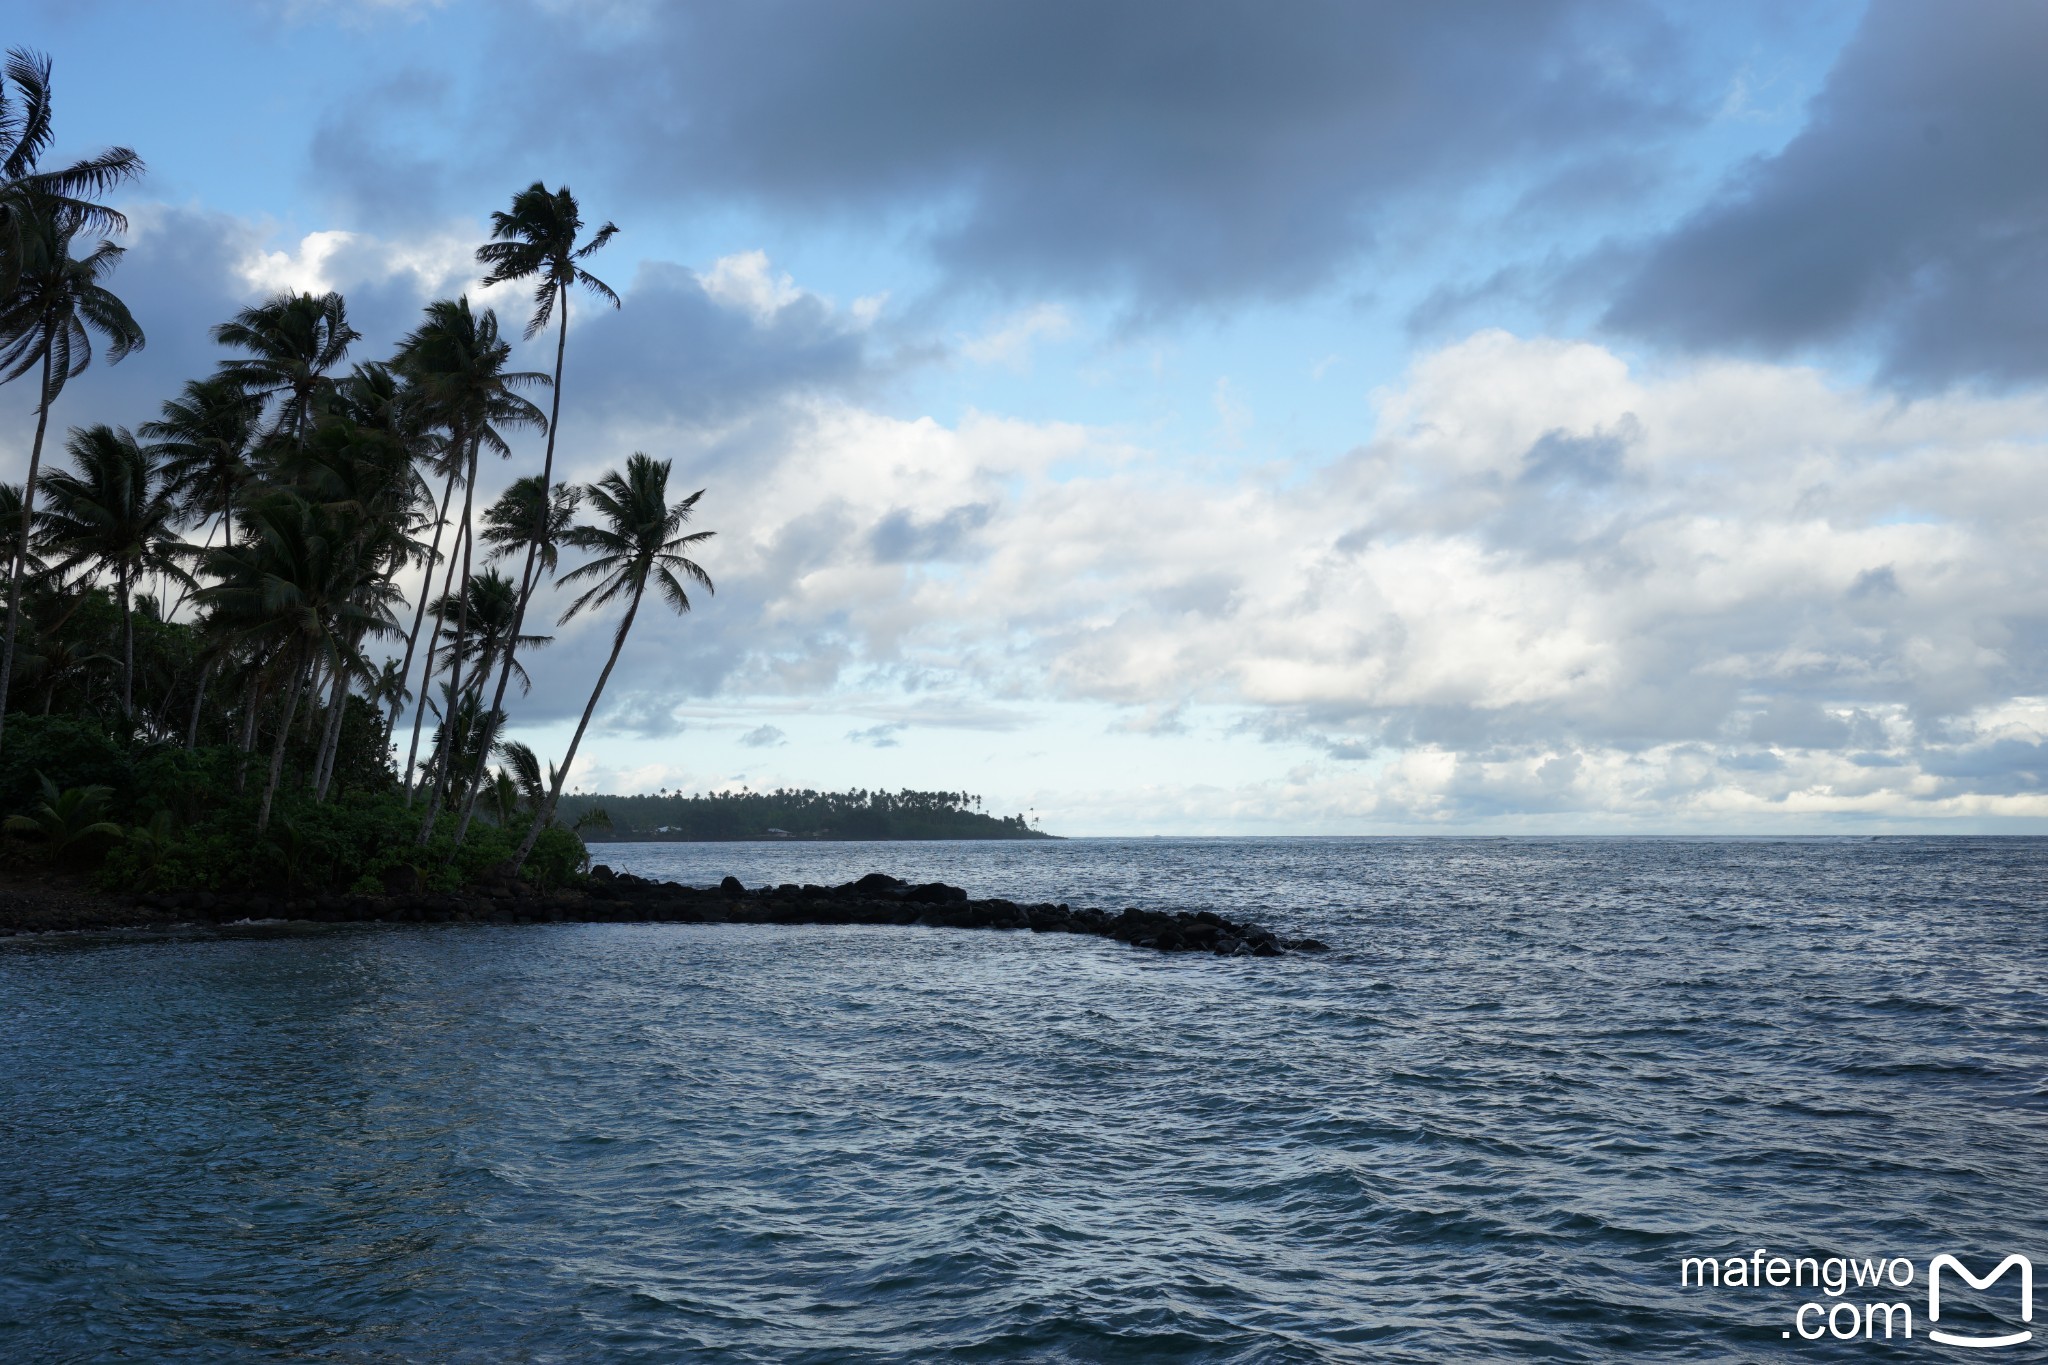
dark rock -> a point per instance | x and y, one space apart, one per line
732 886
401 881
600 873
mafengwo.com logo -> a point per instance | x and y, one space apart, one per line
1874 1298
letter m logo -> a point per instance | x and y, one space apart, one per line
1947 1262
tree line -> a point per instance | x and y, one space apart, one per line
802 814
225 579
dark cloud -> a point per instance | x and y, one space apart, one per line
1204 151
900 537
1912 211
1562 457
178 279
674 354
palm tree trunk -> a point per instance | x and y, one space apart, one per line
547 810
249 699
127 649
444 751
312 691
185 589
527 581
420 615
323 770
20 557
284 734
427 672
198 699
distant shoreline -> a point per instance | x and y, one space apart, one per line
1033 837
788 815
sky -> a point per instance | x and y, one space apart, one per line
1215 418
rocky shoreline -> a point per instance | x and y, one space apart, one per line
609 897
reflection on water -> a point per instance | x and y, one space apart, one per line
1530 1077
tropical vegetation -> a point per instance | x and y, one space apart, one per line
222 624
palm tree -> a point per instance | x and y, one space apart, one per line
364 478
515 522
114 514
297 588
532 517
522 765
642 540
66 819
456 360
490 604
47 321
293 340
204 436
537 241
28 192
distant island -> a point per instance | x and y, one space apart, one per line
787 814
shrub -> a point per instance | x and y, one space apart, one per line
72 750
350 843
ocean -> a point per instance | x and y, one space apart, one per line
1533 1087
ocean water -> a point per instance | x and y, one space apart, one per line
1530 1079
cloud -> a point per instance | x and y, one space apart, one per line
764 737
1009 342
1060 147
699 351
1901 217
1730 580
879 736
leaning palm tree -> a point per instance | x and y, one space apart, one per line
113 514
523 518
46 323
26 190
642 540
456 361
537 240
292 340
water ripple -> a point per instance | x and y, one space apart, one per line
1529 1078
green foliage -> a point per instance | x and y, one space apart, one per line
77 750
350 843
67 823
799 814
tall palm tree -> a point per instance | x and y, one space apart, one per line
26 190
363 477
528 516
537 240
292 340
456 359
47 321
641 541
114 515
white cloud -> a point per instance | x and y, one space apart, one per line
744 281
439 263
1547 585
